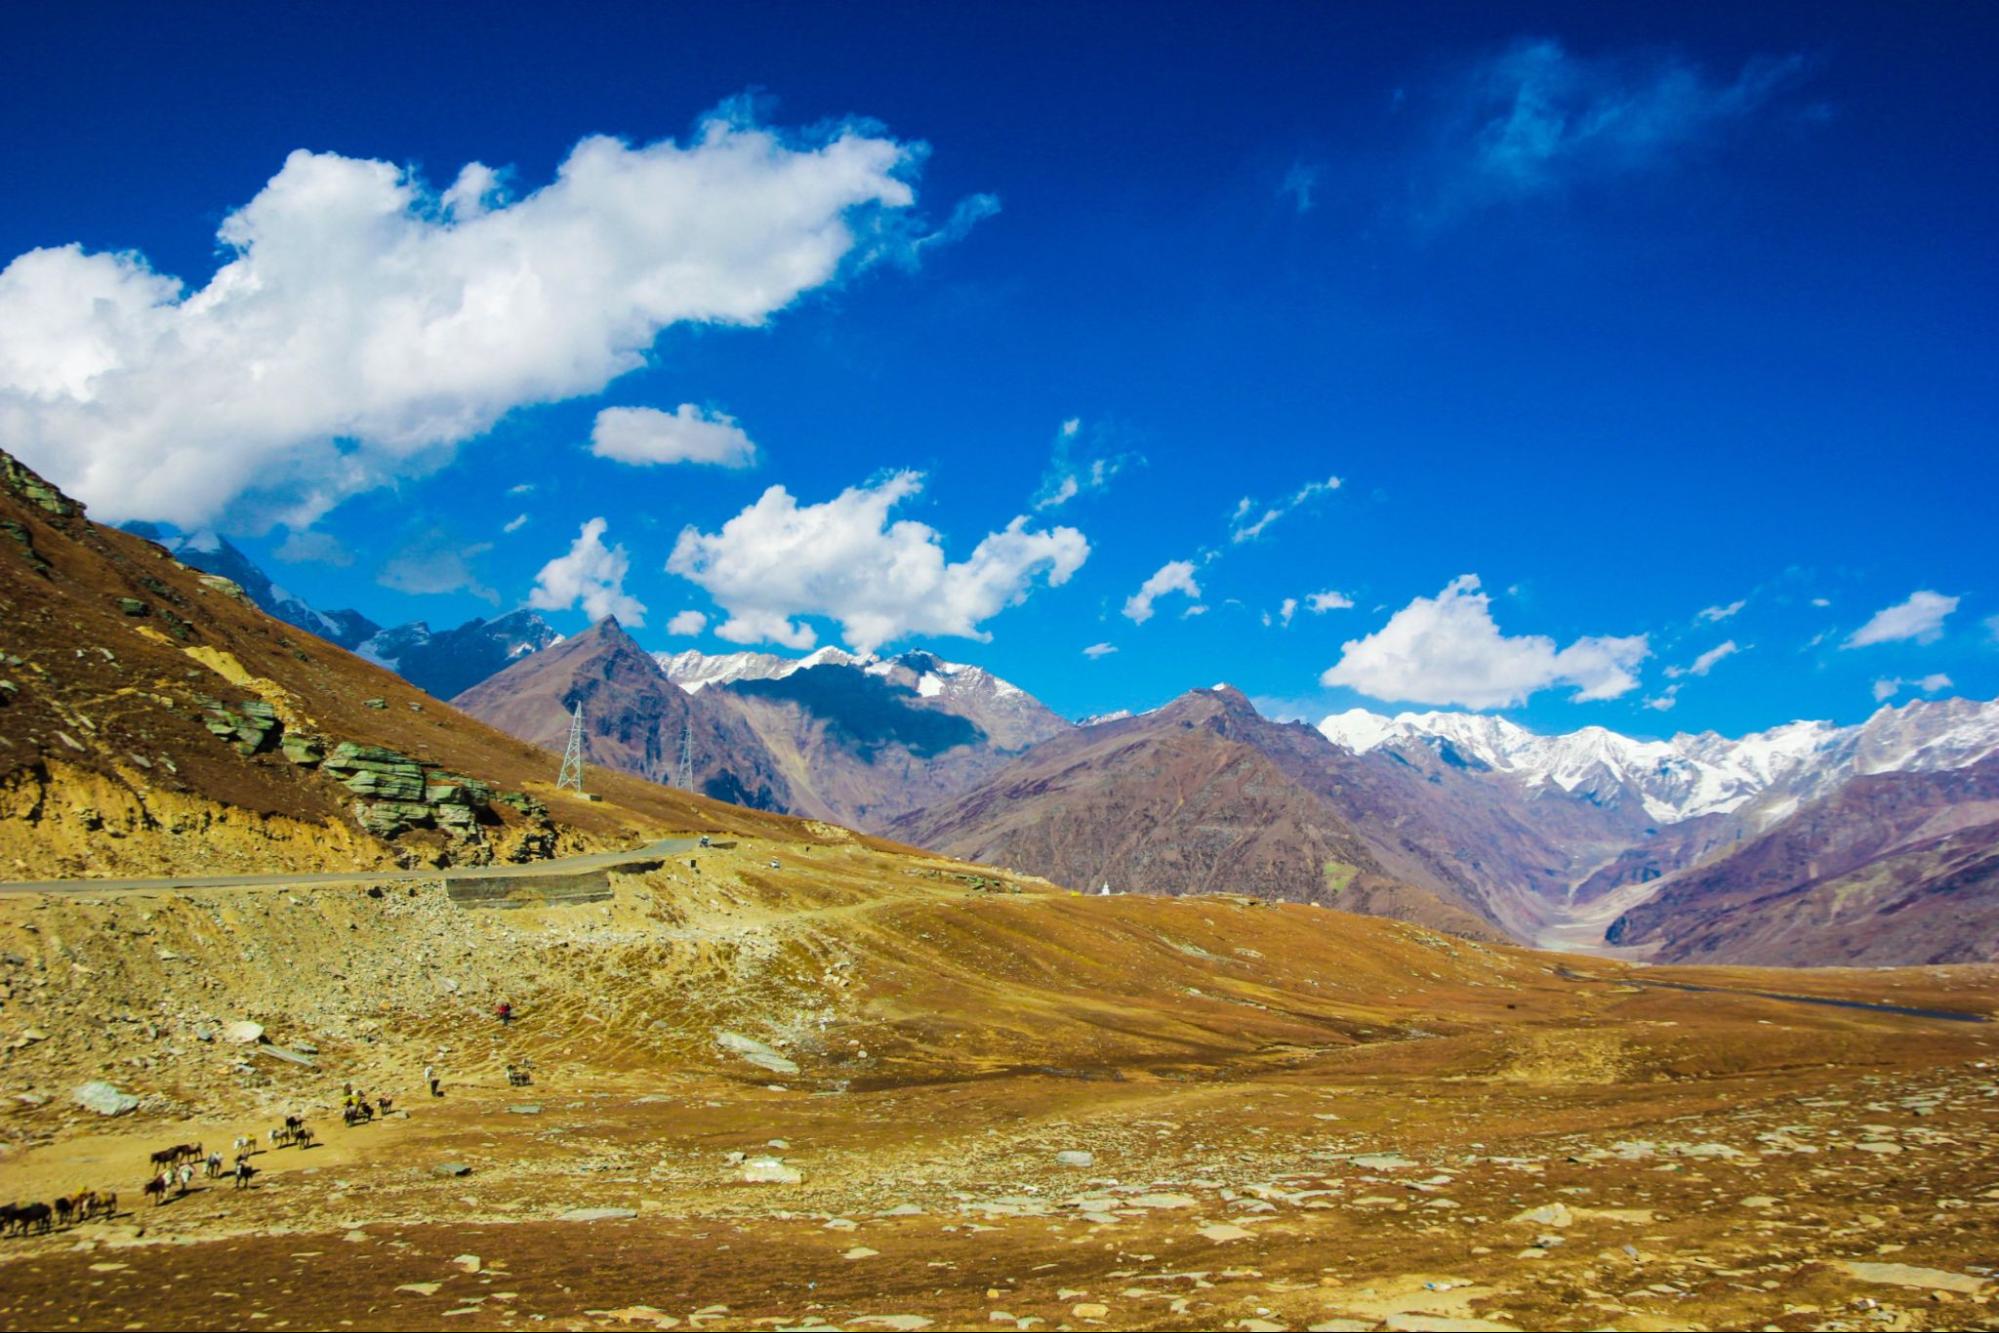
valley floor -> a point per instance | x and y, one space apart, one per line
1292 1118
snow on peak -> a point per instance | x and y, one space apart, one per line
1694 774
1691 774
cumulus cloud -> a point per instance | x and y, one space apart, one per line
1321 602
364 326
434 563
1536 119
1096 650
1083 462
1664 699
1919 618
1933 683
687 622
646 435
591 574
1717 613
1447 649
778 560
1251 519
1175 576
1705 663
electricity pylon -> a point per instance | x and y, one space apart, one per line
572 758
686 773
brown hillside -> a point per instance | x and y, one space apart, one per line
117 663
633 716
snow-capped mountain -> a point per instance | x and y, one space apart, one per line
1011 718
694 671
1763 775
212 553
448 662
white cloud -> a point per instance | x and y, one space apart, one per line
1448 650
592 574
778 559
1821 601
1664 699
362 326
1250 519
1706 661
1717 613
315 547
523 488
1920 618
1934 683
1535 119
646 435
687 622
1083 462
1298 185
1287 609
1173 576
515 524
1319 603
1097 650
434 563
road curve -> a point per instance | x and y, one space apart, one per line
561 865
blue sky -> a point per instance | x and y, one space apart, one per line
1601 318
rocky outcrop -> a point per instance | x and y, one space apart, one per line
399 793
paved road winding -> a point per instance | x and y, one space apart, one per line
561 865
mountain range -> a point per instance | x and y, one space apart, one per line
1796 844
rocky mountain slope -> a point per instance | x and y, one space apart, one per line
153 719
634 718
1009 717
441 663
212 553
1206 795
1899 867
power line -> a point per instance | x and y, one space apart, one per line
572 758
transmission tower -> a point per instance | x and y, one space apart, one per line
685 776
572 758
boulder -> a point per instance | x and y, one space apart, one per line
770 1171
104 1099
1075 1157
243 1032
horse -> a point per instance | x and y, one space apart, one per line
304 1138
244 1143
184 1176
34 1217
279 1137
156 1189
243 1173
385 1102
9 1214
65 1210
212 1165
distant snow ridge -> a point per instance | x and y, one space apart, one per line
1693 775
930 676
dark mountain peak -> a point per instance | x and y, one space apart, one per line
1223 705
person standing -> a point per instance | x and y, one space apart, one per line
430 1080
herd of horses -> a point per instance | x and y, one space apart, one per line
173 1171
